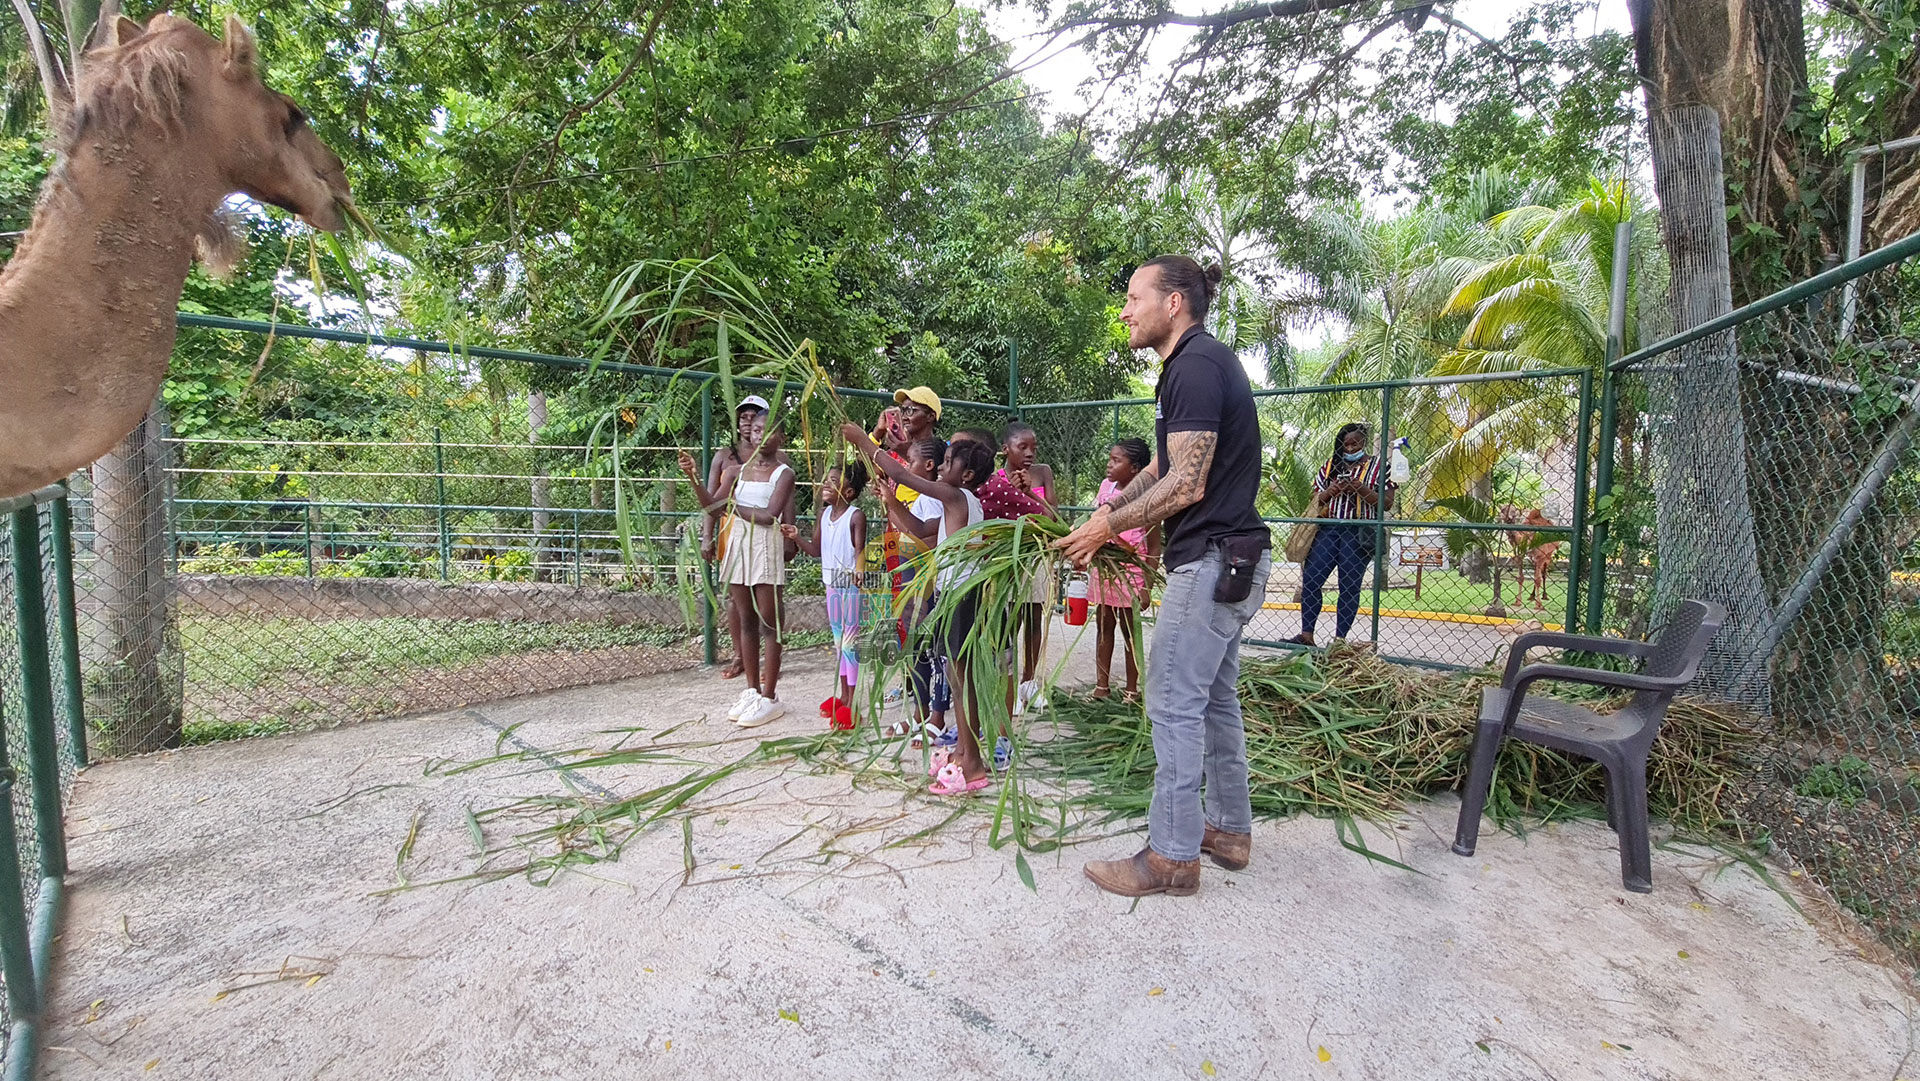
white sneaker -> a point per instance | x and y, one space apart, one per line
747 697
762 711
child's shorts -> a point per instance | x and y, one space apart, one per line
843 618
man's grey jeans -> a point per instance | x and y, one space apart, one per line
1193 700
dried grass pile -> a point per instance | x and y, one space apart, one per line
1345 734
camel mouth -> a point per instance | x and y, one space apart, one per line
328 219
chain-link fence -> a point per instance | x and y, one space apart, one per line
481 537
417 525
44 743
1766 461
1477 544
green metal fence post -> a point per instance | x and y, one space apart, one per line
1116 424
1013 379
1602 488
440 503
577 581
1380 509
1609 395
306 531
62 540
1582 446
708 633
16 950
36 686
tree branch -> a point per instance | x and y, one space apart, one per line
53 77
1219 20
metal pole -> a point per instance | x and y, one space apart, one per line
1856 222
1602 488
1116 424
1856 508
36 687
440 503
1013 379
62 538
577 582
306 530
707 630
1583 445
1609 423
16 952
1380 509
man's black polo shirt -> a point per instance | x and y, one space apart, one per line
1203 388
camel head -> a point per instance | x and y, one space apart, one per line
172 72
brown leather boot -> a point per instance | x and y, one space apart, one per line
1146 873
1229 850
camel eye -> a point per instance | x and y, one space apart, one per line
295 118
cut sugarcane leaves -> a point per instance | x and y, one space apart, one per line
1341 735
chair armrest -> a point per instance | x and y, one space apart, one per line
1569 673
1595 677
1517 655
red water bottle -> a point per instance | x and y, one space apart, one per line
1077 602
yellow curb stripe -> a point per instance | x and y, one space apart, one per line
1435 617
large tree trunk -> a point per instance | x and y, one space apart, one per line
1707 547
1746 60
135 640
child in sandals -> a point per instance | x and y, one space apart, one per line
839 536
917 525
966 466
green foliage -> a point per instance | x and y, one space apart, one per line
23 165
1846 780
511 566
387 560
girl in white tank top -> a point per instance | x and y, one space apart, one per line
839 536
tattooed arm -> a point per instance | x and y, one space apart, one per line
1149 502
1191 455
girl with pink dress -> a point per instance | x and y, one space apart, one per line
1119 598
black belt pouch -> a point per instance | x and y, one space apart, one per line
1239 558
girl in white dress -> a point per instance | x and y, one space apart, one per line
757 495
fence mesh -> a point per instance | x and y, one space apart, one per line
1773 469
27 606
1475 548
415 532
485 538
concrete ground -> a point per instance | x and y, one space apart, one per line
226 921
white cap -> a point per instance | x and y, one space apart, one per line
756 402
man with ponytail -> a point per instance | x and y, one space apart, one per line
1200 487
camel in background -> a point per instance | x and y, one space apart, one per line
1528 545
166 123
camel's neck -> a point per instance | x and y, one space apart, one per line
87 303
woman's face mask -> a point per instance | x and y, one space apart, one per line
1354 455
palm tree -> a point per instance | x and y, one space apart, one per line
1541 305
1222 225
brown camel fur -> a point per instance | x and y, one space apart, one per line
166 123
1527 546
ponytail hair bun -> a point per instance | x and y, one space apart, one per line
1182 274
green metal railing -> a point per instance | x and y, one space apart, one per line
39 714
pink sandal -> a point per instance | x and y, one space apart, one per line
953 782
938 761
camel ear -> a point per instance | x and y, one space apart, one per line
123 31
242 52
